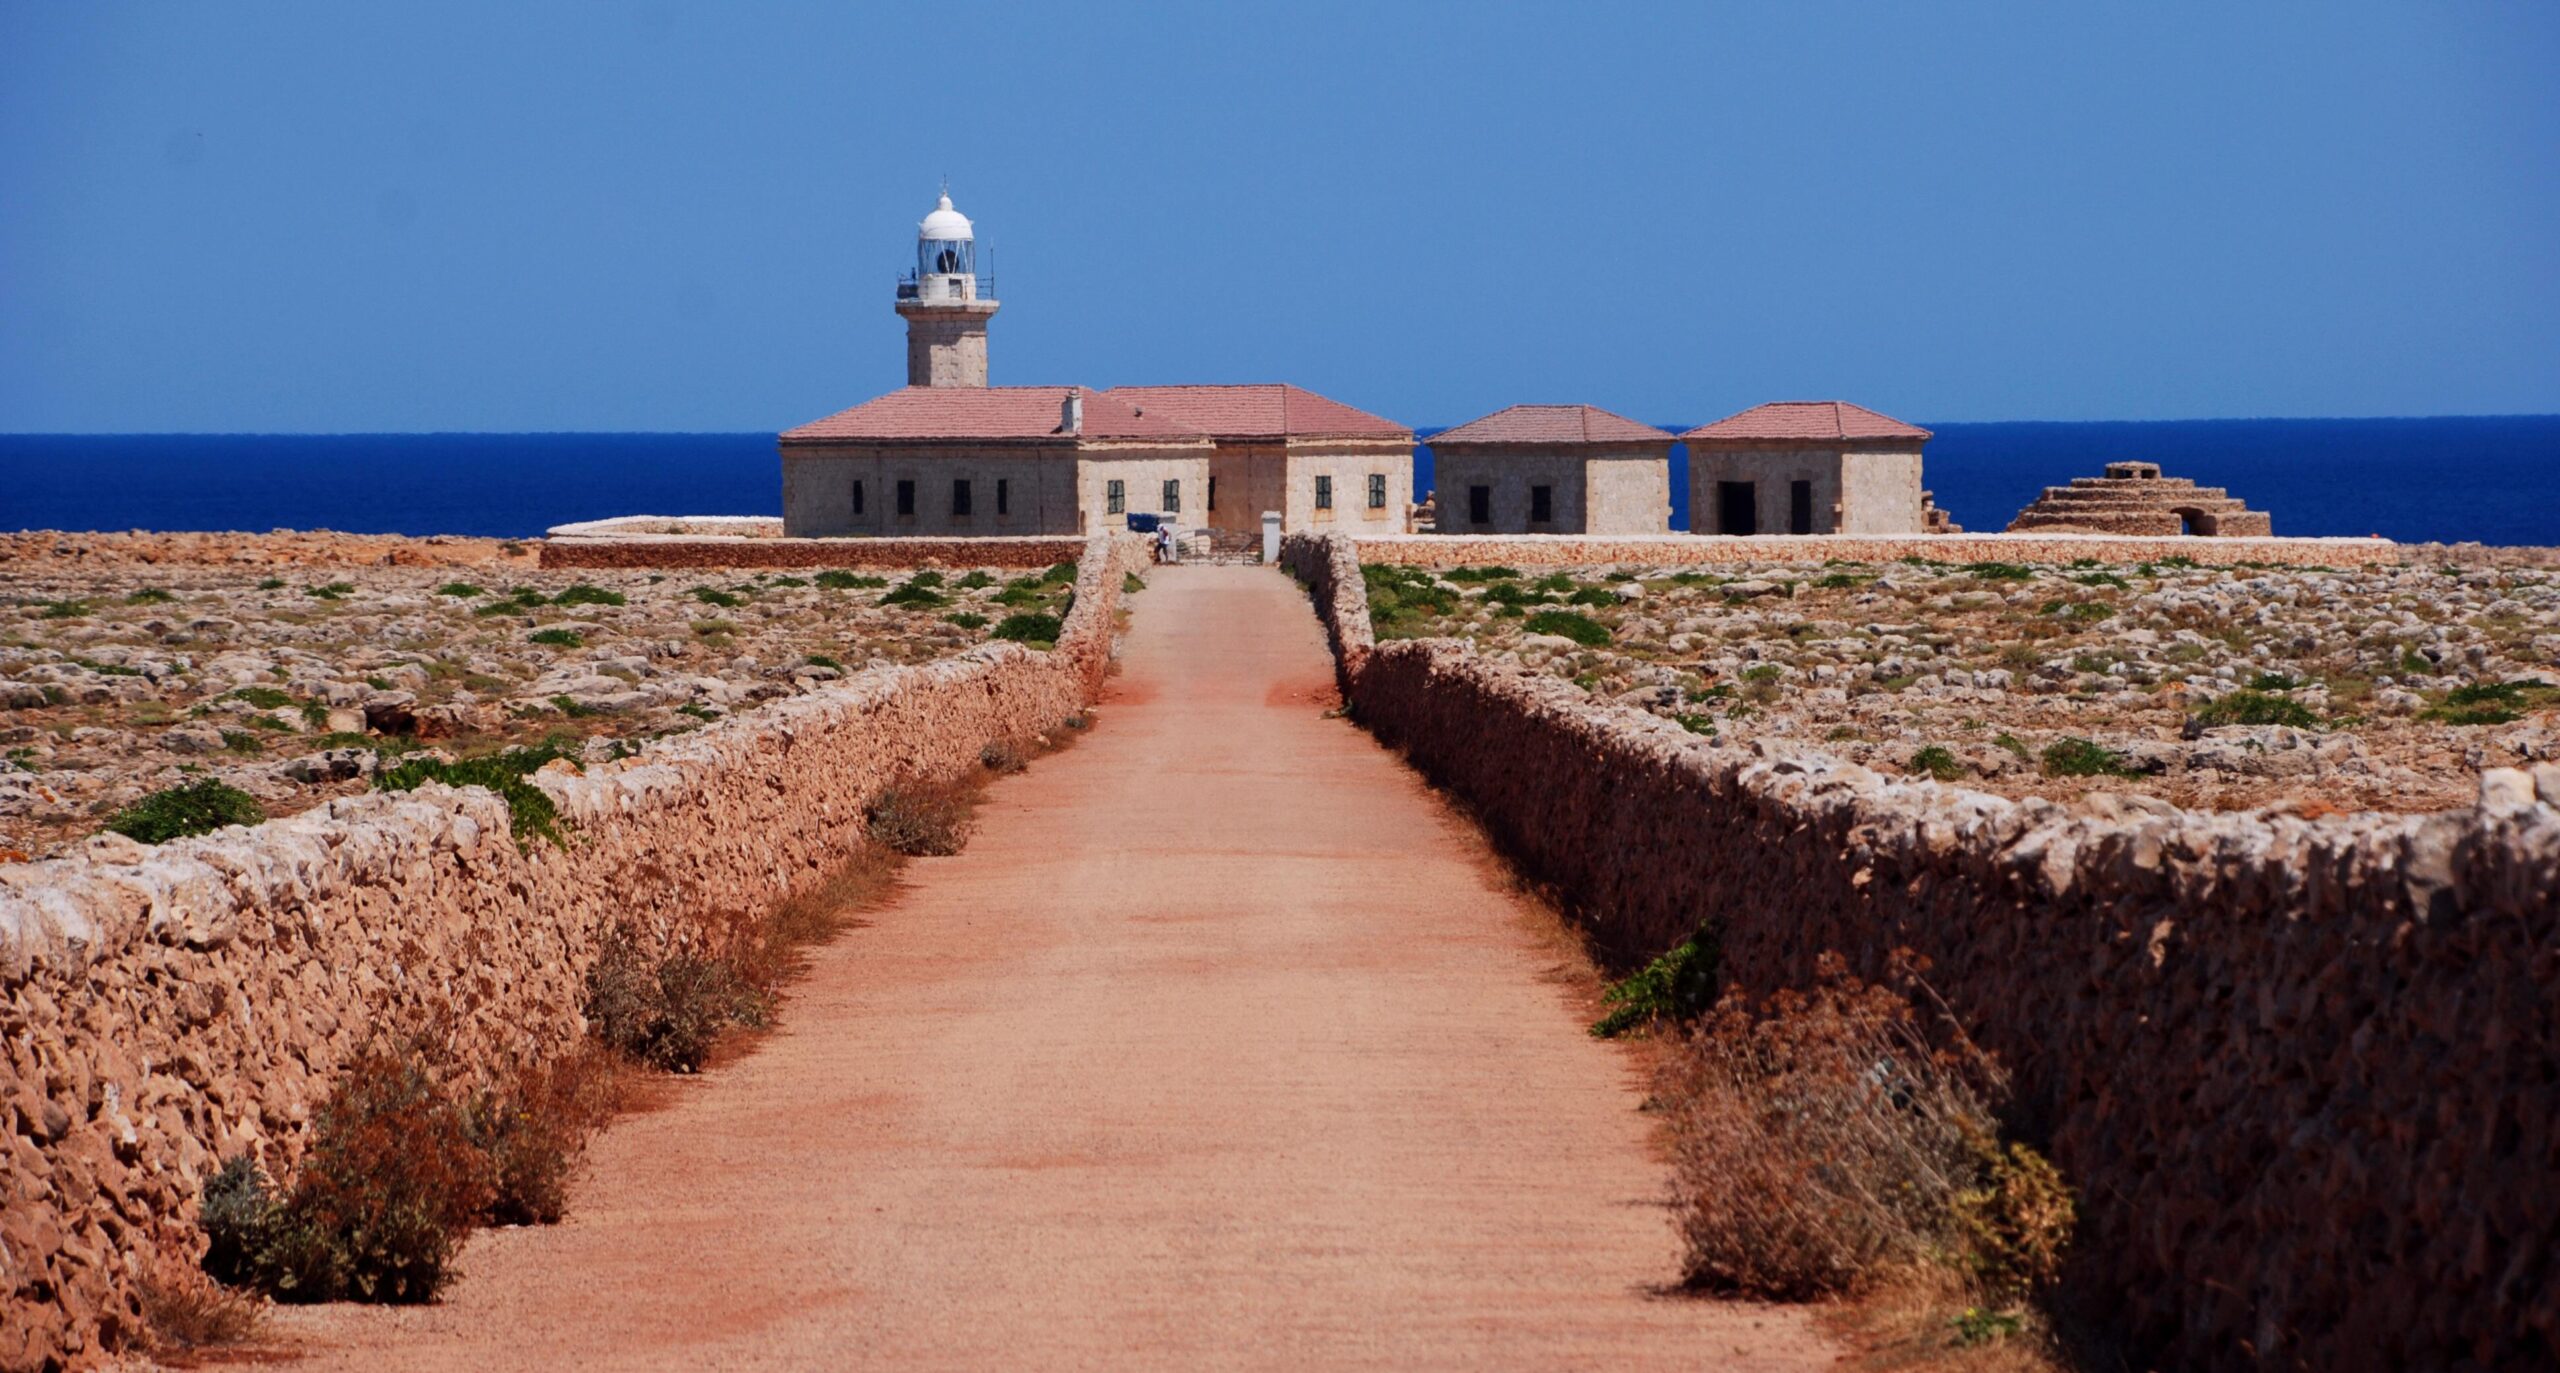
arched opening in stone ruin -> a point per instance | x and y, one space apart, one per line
2193 521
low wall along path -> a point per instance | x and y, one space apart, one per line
2304 1074
166 1008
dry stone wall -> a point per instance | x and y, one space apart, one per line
2305 1074
747 550
165 1008
1684 550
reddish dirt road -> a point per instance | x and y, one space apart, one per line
1220 1047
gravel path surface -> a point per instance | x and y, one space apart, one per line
1220 1047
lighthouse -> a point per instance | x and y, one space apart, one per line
945 303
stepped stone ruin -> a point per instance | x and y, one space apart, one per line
2133 498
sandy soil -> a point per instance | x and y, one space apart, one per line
1220 1047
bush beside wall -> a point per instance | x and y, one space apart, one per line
2304 1074
164 1009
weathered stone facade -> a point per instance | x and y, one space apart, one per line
2133 498
1552 469
947 341
1806 491
2301 1072
164 1008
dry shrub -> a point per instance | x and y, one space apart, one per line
1820 1140
1006 755
667 1011
184 1308
533 1130
921 819
389 1187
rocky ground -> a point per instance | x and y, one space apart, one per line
2309 690
292 666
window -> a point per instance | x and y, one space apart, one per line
857 496
1115 494
959 497
1213 493
1799 507
1479 505
1324 493
1542 505
1737 508
1377 490
1004 497
907 500
1172 497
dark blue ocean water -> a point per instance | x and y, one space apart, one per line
2494 479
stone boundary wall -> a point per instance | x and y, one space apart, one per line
715 526
1687 550
664 550
2304 1074
164 1008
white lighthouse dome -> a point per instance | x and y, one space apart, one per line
945 224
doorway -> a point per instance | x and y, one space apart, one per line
1737 508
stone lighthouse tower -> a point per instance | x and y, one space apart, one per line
945 303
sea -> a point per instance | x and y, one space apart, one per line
2490 479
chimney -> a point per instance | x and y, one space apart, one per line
1071 411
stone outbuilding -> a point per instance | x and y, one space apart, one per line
1320 463
963 460
1808 467
1552 469
2133 498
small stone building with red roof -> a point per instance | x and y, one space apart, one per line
1320 463
1552 469
1807 467
959 460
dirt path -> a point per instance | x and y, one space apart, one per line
1219 1047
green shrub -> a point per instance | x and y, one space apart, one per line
1512 593
1580 628
2272 681
966 620
1402 599
976 579
557 638
2255 708
1131 584
1482 574
2081 758
1028 591
1060 574
460 590
530 811
149 595
583 594
1592 595
1695 724
263 697
1675 987
2016 1223
199 807
2000 572
331 591
1834 581
785 581
927 579
712 595
1935 761
1035 629
822 660
64 610
242 742
915 592
836 580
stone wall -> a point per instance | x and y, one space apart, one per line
2304 1074
164 1008
640 550
1686 550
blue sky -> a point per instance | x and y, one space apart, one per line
331 217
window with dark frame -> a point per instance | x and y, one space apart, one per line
1324 493
1115 494
1377 490
907 498
1172 496
1479 505
857 496
959 497
1004 496
1213 493
1799 507
1542 505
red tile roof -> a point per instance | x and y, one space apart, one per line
988 413
1807 422
1554 424
1269 410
